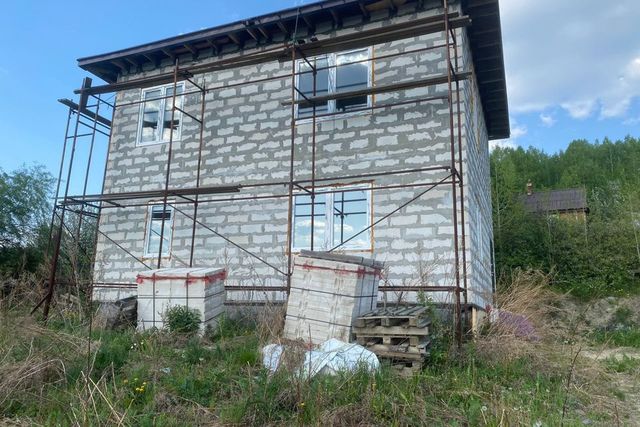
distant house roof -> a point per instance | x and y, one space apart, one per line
485 37
567 200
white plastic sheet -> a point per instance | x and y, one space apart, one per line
330 358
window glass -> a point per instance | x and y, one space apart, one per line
302 221
350 216
305 85
166 123
338 217
150 115
352 75
336 72
155 114
154 228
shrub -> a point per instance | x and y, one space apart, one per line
182 319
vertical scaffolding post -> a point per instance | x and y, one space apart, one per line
200 146
291 165
454 175
86 175
55 199
313 156
168 174
86 83
96 233
463 239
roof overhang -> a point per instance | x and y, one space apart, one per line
485 35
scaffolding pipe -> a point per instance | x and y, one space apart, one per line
454 211
200 146
168 173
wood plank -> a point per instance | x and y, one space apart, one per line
383 351
393 330
391 322
412 341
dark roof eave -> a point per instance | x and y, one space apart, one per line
240 25
485 15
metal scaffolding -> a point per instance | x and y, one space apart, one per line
86 120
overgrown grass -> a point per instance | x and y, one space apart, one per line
162 379
55 375
624 337
622 331
625 364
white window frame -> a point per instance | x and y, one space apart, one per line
331 104
163 102
168 227
328 244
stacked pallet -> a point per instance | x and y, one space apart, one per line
399 335
328 292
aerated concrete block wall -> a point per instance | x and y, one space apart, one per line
247 140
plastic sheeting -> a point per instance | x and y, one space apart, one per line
330 358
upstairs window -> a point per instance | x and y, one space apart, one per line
155 115
154 230
336 73
337 218
305 85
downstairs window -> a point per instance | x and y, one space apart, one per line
338 217
154 229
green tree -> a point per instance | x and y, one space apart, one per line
24 209
596 257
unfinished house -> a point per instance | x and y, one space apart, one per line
350 126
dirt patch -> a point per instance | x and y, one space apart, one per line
617 354
573 319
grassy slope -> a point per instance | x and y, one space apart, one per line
159 379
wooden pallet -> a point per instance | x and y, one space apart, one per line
396 316
398 335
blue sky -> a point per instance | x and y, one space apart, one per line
573 67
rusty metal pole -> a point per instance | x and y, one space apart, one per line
95 241
454 185
168 174
313 158
58 239
291 168
200 145
463 240
86 175
55 199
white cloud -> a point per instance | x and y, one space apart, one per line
579 109
547 120
582 56
517 131
501 143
